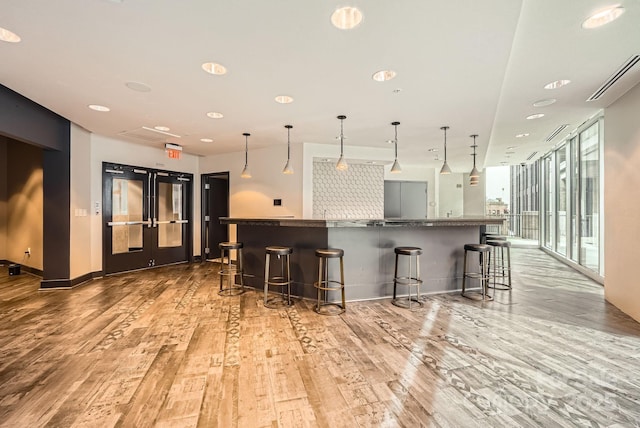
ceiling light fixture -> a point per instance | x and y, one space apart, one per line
9 36
206 140
284 99
535 116
383 75
395 168
98 107
162 128
346 18
287 167
603 17
545 102
557 84
522 135
214 68
474 175
342 163
215 115
245 171
445 167
137 86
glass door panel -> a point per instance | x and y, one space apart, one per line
127 221
590 197
563 195
169 215
575 198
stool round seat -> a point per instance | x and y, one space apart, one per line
410 280
282 280
501 265
408 251
230 245
324 285
329 252
275 250
482 274
482 248
230 270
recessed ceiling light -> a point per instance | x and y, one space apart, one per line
603 17
535 116
137 86
214 68
98 107
206 140
397 90
557 84
522 135
390 141
215 115
162 128
346 18
511 147
383 75
545 102
284 99
9 36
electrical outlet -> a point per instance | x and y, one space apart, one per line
28 252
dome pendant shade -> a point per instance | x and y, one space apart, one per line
245 171
395 168
445 166
475 173
287 167
342 164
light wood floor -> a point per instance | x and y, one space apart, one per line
161 348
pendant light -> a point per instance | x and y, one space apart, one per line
342 163
395 168
445 167
287 167
474 175
245 172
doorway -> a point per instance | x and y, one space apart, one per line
146 217
215 204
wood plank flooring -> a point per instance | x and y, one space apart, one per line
160 348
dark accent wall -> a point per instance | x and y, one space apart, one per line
26 121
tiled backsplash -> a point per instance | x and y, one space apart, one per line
357 192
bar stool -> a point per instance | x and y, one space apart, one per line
501 267
411 280
282 280
229 270
484 252
323 307
492 236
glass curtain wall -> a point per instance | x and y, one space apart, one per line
571 198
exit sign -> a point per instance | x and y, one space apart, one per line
173 154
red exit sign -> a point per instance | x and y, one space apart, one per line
173 154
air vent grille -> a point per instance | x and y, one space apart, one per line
614 78
556 131
532 155
143 134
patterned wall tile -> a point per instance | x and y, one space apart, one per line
355 193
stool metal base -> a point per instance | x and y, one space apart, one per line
282 300
324 285
227 269
405 302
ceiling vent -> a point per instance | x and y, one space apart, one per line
555 132
614 77
148 135
532 155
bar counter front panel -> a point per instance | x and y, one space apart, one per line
368 245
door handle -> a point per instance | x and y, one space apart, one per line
172 222
127 223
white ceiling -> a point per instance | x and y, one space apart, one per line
476 66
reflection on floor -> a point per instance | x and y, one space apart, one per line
161 348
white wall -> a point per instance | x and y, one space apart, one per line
474 197
451 195
621 203
80 194
105 149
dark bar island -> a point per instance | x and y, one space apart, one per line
368 250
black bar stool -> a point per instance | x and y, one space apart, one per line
501 266
283 280
324 307
411 280
484 252
230 270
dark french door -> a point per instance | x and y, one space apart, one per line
146 217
